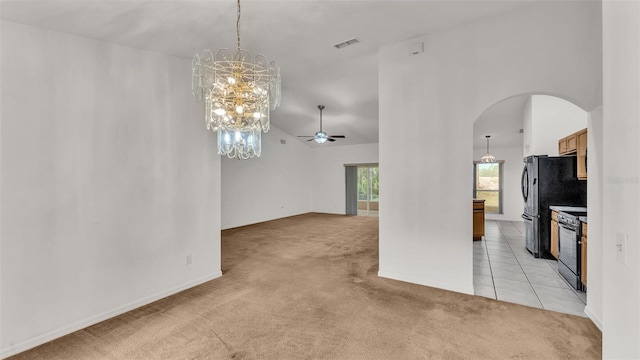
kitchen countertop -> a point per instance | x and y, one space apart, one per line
568 208
582 218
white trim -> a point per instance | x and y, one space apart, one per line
593 317
79 325
414 280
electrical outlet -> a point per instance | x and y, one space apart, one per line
621 248
188 259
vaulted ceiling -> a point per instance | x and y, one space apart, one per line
298 35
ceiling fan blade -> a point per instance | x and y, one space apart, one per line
338 136
306 136
330 139
311 139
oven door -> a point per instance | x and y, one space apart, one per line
568 255
568 247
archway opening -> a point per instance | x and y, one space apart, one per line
520 126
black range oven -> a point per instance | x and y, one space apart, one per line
570 246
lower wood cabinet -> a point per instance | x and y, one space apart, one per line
478 219
554 234
583 256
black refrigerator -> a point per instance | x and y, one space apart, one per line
548 181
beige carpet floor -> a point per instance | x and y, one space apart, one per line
306 287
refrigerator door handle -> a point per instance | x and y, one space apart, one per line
525 183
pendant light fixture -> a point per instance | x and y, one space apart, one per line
238 93
487 157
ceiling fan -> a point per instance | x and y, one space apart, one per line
321 136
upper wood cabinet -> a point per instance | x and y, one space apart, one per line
568 145
576 144
562 146
582 154
572 143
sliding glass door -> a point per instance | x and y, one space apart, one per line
368 190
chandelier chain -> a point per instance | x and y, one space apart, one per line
238 26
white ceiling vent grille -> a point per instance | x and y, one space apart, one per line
346 43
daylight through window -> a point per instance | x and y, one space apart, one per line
487 185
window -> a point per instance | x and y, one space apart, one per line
487 185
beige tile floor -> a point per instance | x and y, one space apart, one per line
504 270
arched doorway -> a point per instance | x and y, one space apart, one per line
519 126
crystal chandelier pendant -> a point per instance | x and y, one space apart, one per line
239 144
238 92
487 157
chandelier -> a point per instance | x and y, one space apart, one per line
488 158
238 93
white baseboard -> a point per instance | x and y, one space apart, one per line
439 285
52 335
593 317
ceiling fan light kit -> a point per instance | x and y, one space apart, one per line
320 136
238 93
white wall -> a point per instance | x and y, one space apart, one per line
512 204
621 168
428 103
277 184
551 119
109 181
329 194
293 179
594 204
527 128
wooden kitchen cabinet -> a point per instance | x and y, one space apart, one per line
478 219
572 143
583 256
568 145
581 137
554 234
576 144
562 146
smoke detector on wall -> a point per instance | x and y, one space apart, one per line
416 48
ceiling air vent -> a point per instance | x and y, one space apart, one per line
346 43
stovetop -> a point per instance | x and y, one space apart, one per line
569 209
572 214
570 218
